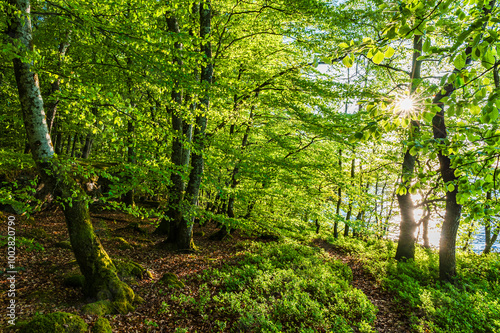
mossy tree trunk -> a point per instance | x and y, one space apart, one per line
100 273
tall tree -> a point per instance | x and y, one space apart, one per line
408 226
101 280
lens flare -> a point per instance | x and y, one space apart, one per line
406 105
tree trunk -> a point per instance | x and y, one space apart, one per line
386 224
170 225
234 181
349 211
59 143
88 146
425 227
447 243
55 85
339 201
490 238
101 281
68 145
73 147
182 239
380 226
132 159
408 226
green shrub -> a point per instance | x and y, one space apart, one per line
288 287
471 305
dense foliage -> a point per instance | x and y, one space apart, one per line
363 118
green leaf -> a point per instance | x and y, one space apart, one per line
427 45
389 52
343 45
450 187
347 61
459 61
378 58
475 109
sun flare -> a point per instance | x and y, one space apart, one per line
406 104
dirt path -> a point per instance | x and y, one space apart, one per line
390 318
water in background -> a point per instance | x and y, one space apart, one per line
435 234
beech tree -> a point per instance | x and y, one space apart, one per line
101 281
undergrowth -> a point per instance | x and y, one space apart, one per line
471 304
289 287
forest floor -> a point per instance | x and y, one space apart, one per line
40 280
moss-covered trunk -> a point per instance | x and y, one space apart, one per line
101 280
100 274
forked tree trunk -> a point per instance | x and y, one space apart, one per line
182 239
101 281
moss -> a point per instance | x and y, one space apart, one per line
122 295
128 268
171 280
57 322
63 245
74 281
99 308
122 307
102 325
122 243
138 300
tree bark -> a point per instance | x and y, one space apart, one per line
170 225
425 227
447 243
183 238
55 85
408 226
132 159
101 281
339 201
73 147
349 211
